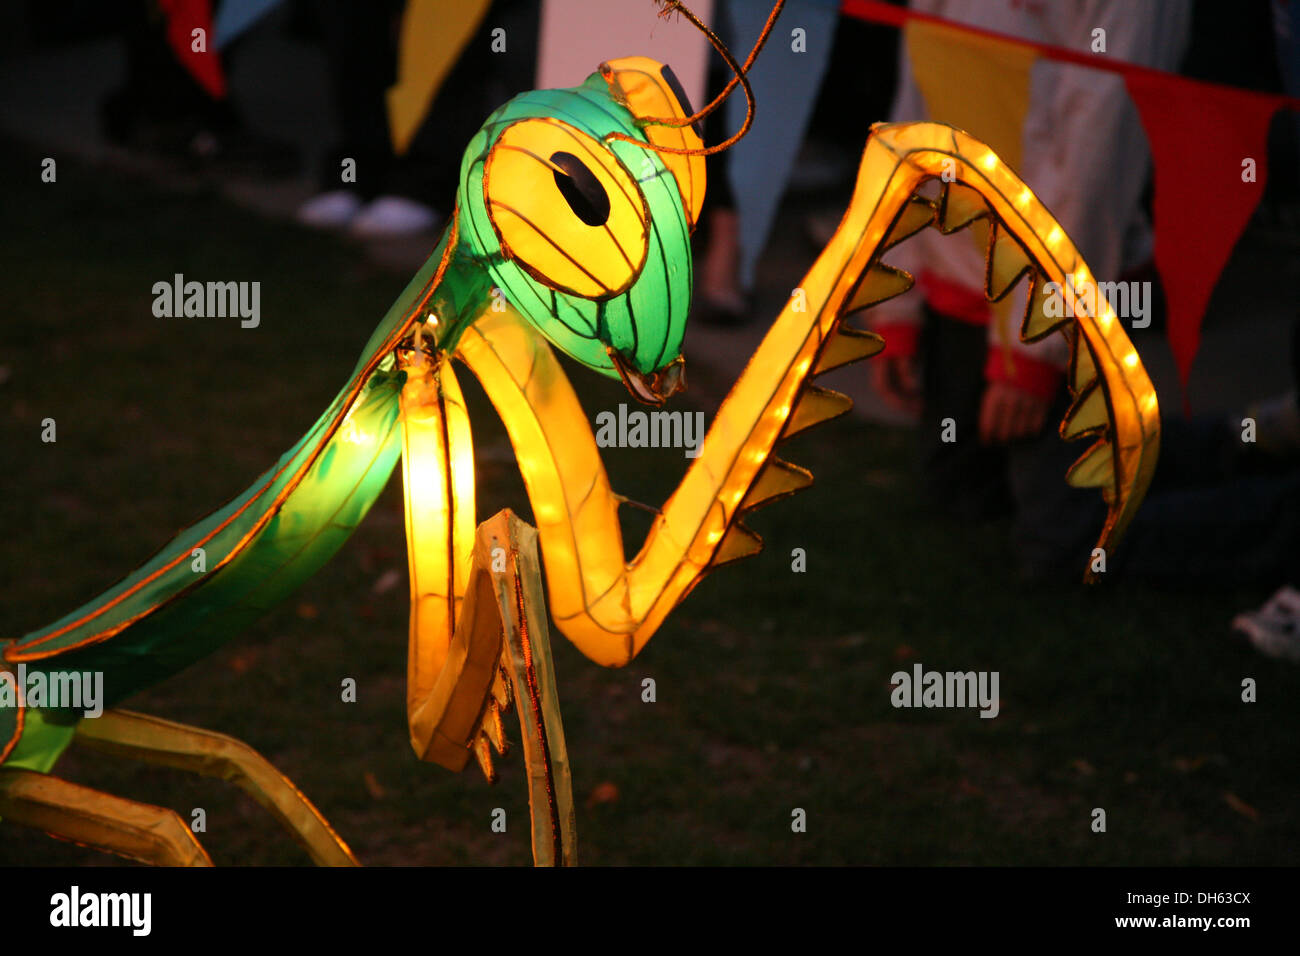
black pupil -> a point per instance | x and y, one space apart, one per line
580 189
683 100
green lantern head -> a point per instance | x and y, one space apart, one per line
588 236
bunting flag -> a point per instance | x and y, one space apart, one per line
1209 145
433 34
976 83
1201 135
198 54
785 80
236 16
979 84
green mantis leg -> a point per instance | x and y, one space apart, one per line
169 744
68 811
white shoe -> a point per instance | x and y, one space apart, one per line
393 216
1275 628
330 210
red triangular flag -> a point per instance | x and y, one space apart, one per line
183 18
1201 137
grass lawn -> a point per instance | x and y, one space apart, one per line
772 686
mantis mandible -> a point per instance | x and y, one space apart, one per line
571 232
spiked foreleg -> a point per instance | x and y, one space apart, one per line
610 608
1114 400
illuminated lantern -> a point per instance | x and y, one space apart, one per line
583 238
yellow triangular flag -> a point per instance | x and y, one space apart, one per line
980 85
434 32
973 82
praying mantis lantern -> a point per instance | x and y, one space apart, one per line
571 232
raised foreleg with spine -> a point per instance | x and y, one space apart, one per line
610 608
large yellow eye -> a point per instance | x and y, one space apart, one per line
565 208
650 89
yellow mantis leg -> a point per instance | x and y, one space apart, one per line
478 630
512 544
77 814
610 608
163 742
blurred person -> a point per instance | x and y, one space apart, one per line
1085 156
857 85
161 108
747 181
396 195
718 298
1225 512
1286 39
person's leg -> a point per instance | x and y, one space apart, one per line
361 56
1203 521
1196 453
718 298
161 108
1056 525
359 41
1243 531
156 89
962 476
479 82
